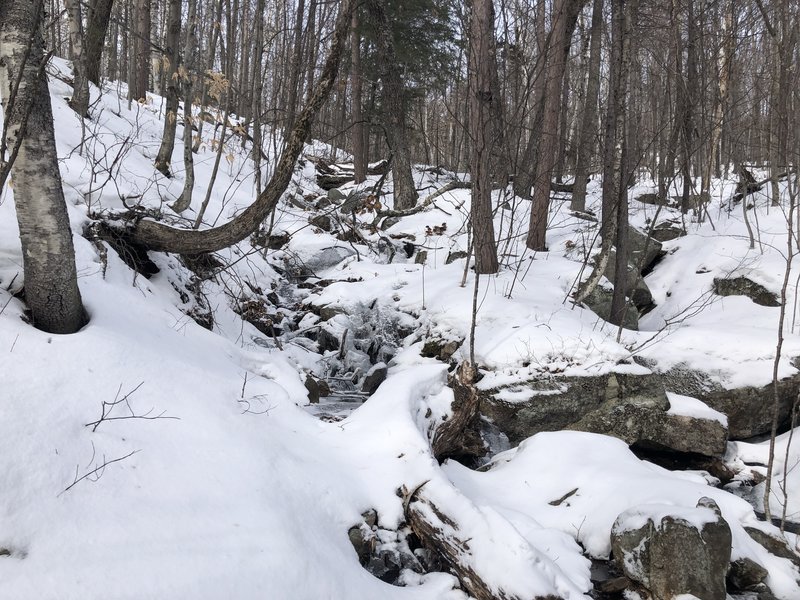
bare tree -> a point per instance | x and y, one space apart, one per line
80 86
588 127
393 108
172 58
98 18
482 64
51 281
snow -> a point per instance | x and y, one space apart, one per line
638 516
218 482
692 407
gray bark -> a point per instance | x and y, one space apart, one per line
188 86
359 130
164 157
97 25
565 16
51 282
394 109
80 85
483 134
589 118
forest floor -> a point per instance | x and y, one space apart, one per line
171 450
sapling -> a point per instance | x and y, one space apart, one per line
790 253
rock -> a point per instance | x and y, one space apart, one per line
327 312
362 536
555 403
639 293
322 222
746 574
328 181
632 408
421 257
644 249
666 232
441 349
313 390
742 286
324 388
774 545
683 433
327 341
599 302
380 167
749 409
454 256
673 551
648 426
374 378
321 260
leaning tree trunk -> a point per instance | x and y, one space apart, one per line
586 137
482 132
164 156
394 109
51 281
159 237
98 19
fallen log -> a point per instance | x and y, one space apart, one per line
443 537
453 185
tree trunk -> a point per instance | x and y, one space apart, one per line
724 58
615 197
185 200
527 164
80 85
294 78
172 57
97 25
565 16
481 100
159 237
586 137
394 109
688 106
359 130
140 69
51 281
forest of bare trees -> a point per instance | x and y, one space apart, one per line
533 93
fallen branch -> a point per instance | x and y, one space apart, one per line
453 185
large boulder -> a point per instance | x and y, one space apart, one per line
744 286
633 408
645 250
749 409
639 293
648 426
321 260
555 403
599 301
672 550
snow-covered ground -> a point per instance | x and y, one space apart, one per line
208 478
